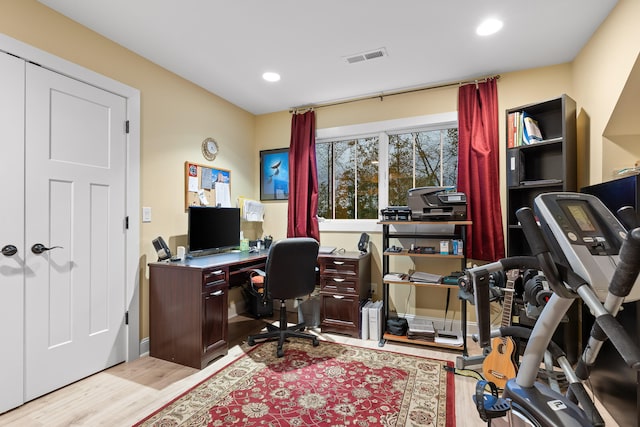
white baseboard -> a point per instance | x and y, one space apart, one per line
144 346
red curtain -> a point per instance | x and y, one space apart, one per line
303 178
478 170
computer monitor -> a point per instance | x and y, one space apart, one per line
212 230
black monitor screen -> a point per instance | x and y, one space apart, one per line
213 229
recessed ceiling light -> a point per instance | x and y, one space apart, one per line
271 77
488 27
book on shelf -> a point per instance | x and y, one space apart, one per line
541 181
511 130
396 277
422 277
448 340
530 130
421 329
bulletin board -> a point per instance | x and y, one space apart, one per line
206 186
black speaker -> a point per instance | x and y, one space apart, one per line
161 248
363 244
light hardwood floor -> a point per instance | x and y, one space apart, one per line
126 393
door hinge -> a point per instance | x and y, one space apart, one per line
126 223
126 126
126 317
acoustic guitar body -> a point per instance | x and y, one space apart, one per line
500 364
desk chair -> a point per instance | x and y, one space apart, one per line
290 272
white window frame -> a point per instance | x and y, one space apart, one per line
382 129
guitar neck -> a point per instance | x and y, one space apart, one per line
508 299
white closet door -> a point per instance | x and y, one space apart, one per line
11 230
75 199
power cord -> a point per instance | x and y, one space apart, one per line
470 373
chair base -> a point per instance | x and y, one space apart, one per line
282 332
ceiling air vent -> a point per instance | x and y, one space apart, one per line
366 56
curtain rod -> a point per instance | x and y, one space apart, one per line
294 110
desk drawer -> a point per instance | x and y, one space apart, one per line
213 276
341 266
340 313
339 284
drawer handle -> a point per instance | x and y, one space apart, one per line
216 293
338 279
215 273
338 296
338 262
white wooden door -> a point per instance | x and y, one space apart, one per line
11 230
75 204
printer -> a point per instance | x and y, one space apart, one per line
436 203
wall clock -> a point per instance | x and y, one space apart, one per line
209 149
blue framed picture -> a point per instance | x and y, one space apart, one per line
274 174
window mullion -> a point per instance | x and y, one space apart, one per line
413 151
383 169
441 158
355 179
333 180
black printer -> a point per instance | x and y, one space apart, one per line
436 203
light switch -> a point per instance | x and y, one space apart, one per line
146 214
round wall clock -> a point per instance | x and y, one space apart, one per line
209 149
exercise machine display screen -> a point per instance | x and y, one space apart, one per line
584 234
581 217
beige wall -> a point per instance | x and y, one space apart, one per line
177 116
600 73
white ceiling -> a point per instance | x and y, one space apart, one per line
225 46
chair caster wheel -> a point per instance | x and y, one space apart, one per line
251 342
315 342
280 352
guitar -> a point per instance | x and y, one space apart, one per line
500 364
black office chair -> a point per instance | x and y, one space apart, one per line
290 272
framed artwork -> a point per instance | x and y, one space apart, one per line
274 174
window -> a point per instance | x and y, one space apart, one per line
421 159
364 168
348 178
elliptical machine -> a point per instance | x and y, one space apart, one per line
584 252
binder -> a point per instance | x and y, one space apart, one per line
514 168
364 323
375 321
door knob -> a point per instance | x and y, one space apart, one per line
9 250
39 248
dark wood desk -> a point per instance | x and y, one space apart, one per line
189 304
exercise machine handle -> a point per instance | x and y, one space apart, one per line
628 267
627 347
629 217
541 251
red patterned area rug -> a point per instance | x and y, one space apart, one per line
328 385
